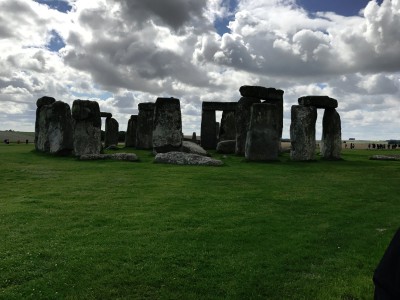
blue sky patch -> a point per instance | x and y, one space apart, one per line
56 42
60 5
221 24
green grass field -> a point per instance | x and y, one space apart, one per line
119 230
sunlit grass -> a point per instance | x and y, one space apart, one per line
111 229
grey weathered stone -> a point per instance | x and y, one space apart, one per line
302 132
227 130
242 121
105 115
53 128
45 100
385 157
86 127
208 136
331 141
278 102
226 147
144 133
263 140
220 106
318 101
167 125
194 137
180 158
116 156
130 137
111 132
261 92
194 148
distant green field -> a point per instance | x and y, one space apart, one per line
118 230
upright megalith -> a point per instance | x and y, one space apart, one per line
227 130
208 129
269 95
41 126
263 138
86 127
53 127
167 125
302 132
144 133
331 142
242 121
130 137
111 132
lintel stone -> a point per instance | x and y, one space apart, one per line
318 101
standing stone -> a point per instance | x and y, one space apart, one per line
86 127
40 126
302 132
208 129
331 142
242 121
144 133
262 141
53 128
277 100
111 134
167 125
130 137
194 137
227 130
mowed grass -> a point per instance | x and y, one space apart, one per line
117 230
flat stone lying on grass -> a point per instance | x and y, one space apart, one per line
116 156
180 158
190 147
385 157
226 147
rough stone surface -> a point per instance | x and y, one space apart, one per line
221 106
116 156
130 136
278 102
194 137
331 141
302 133
45 100
260 92
53 128
194 148
111 133
180 158
226 147
86 127
242 121
227 130
208 136
385 157
167 125
318 101
263 140
105 115
144 133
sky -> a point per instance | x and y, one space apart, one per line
124 52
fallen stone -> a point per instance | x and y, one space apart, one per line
318 101
385 157
116 156
180 158
226 147
260 92
190 147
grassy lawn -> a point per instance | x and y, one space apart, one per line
119 230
